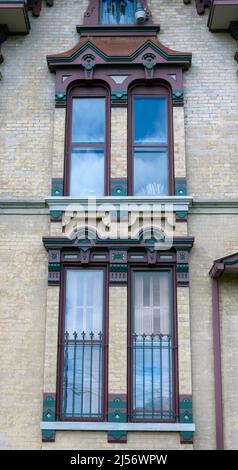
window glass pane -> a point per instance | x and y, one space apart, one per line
87 172
117 11
155 313
150 120
150 172
84 312
82 393
88 120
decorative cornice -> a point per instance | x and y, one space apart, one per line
137 57
110 55
183 243
15 16
86 250
223 16
226 264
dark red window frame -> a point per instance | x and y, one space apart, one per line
143 267
96 90
60 361
150 90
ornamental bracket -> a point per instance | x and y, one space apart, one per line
36 5
200 5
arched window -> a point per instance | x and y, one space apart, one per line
87 142
117 11
150 141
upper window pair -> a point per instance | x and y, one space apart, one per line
87 169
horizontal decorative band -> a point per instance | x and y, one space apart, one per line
105 426
41 207
175 203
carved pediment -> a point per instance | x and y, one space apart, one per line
119 50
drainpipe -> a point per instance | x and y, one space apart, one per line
217 360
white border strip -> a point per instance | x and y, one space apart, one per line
105 426
179 203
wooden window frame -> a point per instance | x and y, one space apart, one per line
139 267
87 91
150 90
60 361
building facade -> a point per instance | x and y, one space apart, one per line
119 215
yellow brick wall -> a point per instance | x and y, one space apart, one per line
137 440
51 339
119 142
215 236
31 153
117 354
23 287
184 343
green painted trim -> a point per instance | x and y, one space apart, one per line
186 416
181 214
57 187
180 185
54 267
182 268
117 413
24 2
230 263
60 97
118 268
117 436
48 435
48 415
119 96
117 404
117 417
186 435
178 96
118 187
56 215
